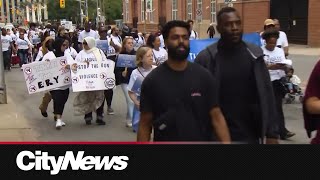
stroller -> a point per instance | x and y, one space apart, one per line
292 90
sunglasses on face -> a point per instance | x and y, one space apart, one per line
85 43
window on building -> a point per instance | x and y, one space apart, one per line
174 9
189 9
142 10
213 11
149 10
127 11
199 6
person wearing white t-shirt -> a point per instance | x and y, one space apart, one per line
161 36
23 46
47 45
59 95
7 46
144 62
14 34
138 40
116 40
92 101
73 53
283 39
277 64
159 54
194 34
87 32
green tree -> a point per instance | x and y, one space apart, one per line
111 9
70 12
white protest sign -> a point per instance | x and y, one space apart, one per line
94 76
43 76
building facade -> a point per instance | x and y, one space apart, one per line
298 18
203 12
21 11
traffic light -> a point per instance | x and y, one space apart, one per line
62 3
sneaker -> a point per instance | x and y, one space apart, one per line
129 124
63 123
58 124
110 111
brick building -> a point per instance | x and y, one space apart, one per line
299 18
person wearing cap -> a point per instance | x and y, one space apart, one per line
277 65
268 23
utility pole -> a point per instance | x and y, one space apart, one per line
145 15
87 11
97 18
3 89
80 12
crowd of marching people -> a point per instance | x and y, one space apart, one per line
233 92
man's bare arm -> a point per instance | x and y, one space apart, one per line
220 126
145 127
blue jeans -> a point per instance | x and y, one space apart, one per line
136 117
23 55
130 104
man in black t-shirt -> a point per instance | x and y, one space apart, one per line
174 102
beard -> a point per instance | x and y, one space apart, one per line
176 54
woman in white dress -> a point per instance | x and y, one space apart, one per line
91 101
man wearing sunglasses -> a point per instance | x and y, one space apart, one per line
87 32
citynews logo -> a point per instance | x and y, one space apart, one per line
42 161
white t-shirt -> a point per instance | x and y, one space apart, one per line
161 41
23 43
283 40
109 32
136 74
73 53
5 40
117 40
159 56
138 42
194 35
13 36
34 35
49 56
274 57
39 55
83 34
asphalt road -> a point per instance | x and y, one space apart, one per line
115 130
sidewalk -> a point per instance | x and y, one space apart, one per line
303 50
13 126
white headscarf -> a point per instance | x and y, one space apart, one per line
93 49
